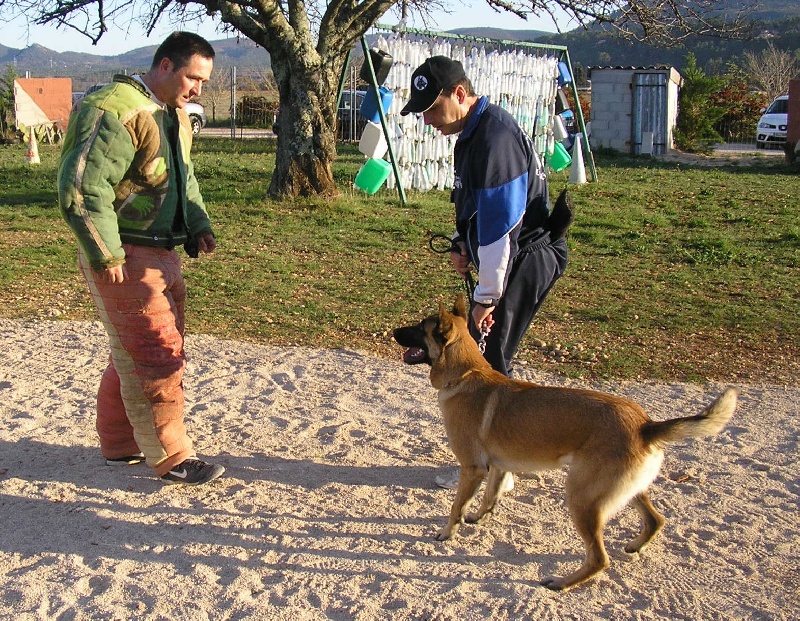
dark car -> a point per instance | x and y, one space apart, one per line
350 122
77 97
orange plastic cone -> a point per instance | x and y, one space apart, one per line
33 148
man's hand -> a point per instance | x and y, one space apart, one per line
114 275
481 314
461 260
206 243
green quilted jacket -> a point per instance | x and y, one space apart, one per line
119 180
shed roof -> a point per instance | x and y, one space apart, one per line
675 75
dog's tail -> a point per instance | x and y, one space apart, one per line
709 423
562 216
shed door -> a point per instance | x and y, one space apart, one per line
649 113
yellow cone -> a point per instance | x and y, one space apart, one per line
33 148
577 172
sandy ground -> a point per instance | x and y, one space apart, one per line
328 508
741 155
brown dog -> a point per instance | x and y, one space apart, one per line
499 425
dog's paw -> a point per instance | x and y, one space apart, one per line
446 533
554 583
476 518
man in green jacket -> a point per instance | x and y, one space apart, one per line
127 189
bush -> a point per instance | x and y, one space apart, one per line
697 112
742 109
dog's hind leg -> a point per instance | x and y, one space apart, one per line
589 521
468 482
592 498
652 523
490 497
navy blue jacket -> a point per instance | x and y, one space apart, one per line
500 195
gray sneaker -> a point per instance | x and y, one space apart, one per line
128 460
193 471
450 481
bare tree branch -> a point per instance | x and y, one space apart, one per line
656 21
770 70
666 22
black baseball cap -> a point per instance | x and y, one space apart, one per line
429 80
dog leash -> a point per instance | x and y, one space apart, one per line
442 244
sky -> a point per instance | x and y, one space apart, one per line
17 34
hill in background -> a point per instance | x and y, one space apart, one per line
500 34
87 69
777 21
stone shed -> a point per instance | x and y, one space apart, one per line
634 109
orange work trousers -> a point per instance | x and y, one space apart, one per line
140 400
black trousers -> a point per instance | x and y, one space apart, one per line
533 273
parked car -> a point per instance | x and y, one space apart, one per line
196 112
771 129
76 97
197 115
350 122
93 88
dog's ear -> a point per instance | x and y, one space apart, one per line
445 321
460 306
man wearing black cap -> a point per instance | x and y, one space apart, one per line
502 207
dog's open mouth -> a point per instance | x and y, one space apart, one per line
414 355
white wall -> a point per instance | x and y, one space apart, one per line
612 105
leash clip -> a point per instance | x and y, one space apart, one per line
482 340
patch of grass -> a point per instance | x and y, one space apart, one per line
676 273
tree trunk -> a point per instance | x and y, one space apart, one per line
307 75
307 131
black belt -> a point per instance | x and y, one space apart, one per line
166 239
